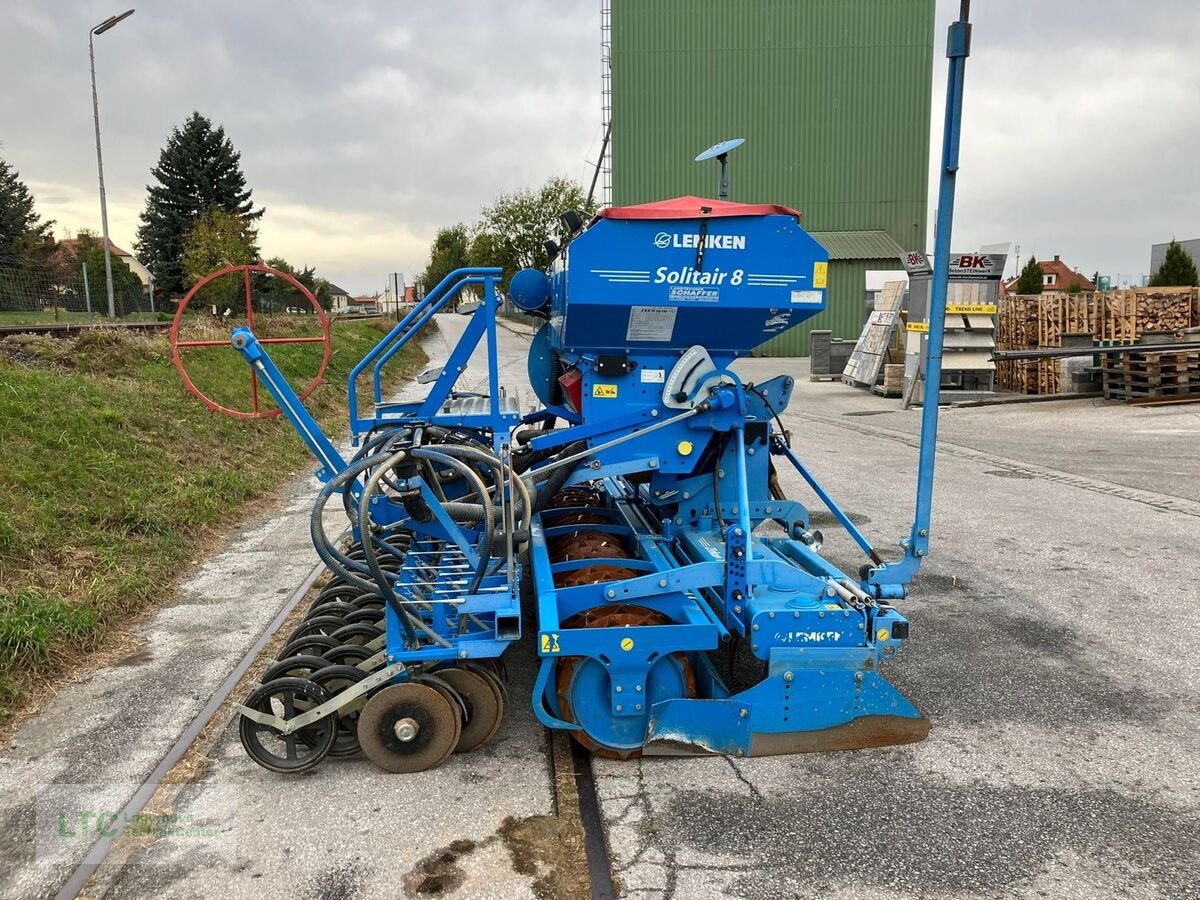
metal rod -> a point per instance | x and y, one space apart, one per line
1067 352
615 442
958 47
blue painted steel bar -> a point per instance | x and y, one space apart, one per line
830 503
958 47
438 296
244 341
429 313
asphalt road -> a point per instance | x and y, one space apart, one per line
1052 651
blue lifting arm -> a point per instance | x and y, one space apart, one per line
916 545
322 448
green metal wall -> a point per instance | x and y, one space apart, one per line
844 311
832 96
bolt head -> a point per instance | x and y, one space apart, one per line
742 713
638 688
619 708
771 614
610 594
756 626
788 676
662 582
638 707
738 610
820 613
619 689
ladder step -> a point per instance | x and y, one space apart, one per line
433 373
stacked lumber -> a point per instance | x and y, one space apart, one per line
1157 375
1027 322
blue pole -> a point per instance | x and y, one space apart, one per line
958 48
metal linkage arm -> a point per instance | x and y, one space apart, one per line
958 47
408 326
322 448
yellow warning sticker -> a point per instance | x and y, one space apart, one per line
627 644
550 643
605 391
883 634
832 606
922 327
971 309
820 274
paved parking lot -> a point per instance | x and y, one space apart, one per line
1052 650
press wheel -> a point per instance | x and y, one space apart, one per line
292 753
485 707
336 679
408 728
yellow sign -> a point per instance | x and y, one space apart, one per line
605 391
832 606
922 327
550 643
820 274
971 309
883 634
626 644
685 448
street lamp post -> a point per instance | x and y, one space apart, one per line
98 30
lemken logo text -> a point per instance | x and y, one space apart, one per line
662 240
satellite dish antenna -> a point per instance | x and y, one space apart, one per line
720 152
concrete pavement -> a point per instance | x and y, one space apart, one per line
1051 650
1053 628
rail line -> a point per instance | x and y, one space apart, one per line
595 846
73 329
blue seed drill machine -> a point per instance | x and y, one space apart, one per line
683 604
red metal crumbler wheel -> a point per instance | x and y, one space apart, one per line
588 545
618 615
575 496
592 575
580 518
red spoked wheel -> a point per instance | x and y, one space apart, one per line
256 411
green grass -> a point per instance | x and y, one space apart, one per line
113 478
66 316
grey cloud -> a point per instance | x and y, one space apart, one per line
366 125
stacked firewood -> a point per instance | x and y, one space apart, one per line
1026 322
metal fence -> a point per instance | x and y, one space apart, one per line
33 295
44 295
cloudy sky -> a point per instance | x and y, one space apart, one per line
364 126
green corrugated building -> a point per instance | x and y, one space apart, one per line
832 96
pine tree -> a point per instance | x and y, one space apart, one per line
198 171
1030 280
22 234
1178 269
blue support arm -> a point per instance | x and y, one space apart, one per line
958 48
322 448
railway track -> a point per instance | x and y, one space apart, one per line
571 777
72 329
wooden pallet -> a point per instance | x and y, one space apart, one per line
1149 375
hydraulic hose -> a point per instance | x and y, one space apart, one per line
485 543
339 564
553 481
369 540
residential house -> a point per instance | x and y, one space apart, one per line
1056 276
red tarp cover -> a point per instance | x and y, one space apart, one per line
693 208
